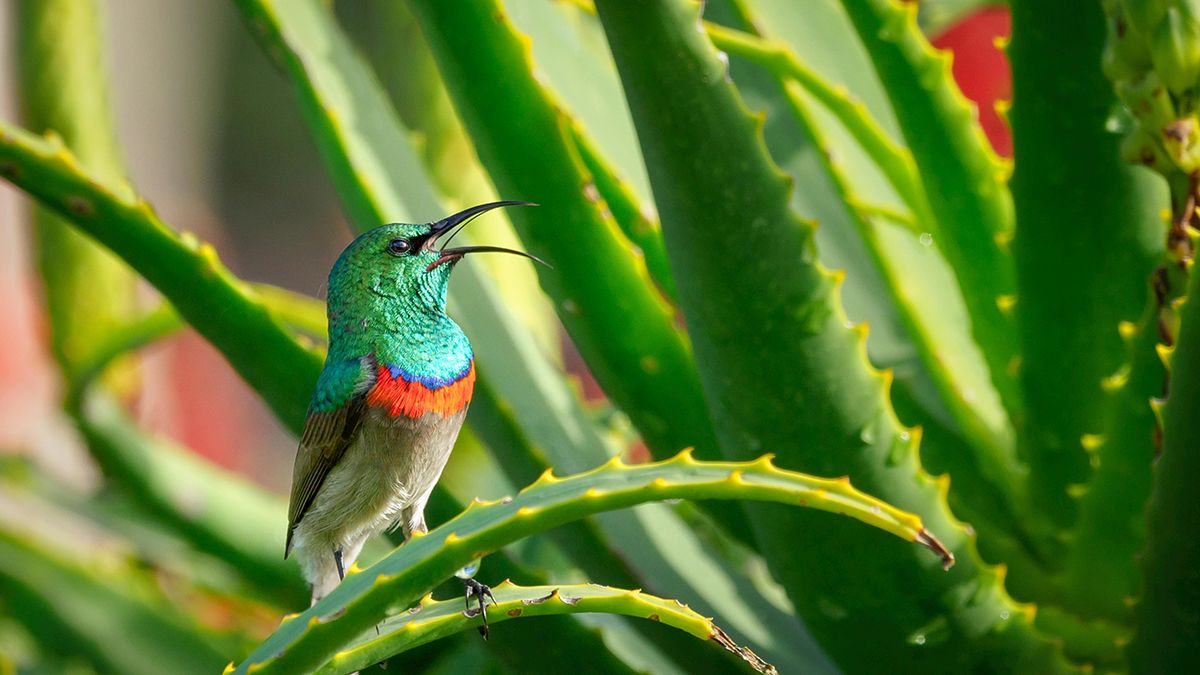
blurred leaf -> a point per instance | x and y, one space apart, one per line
311 638
114 617
63 89
215 511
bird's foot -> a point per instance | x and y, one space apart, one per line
482 593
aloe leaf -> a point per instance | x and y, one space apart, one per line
599 286
827 411
640 227
1167 617
311 638
116 618
221 307
1102 578
894 160
964 180
431 620
568 52
1089 235
63 89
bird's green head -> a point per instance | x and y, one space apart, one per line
399 273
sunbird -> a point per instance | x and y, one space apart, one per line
390 400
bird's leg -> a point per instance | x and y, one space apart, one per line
483 593
414 521
474 589
337 559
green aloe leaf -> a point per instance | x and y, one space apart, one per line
310 639
964 180
225 310
1089 235
894 161
89 291
827 410
432 620
1168 615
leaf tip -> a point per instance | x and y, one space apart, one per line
926 539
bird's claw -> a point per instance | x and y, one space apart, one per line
483 593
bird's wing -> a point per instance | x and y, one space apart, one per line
333 422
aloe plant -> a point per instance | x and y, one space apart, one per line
1032 351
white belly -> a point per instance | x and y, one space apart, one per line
384 479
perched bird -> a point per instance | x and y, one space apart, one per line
390 401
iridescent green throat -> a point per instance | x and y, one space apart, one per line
395 309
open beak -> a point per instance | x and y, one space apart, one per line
451 225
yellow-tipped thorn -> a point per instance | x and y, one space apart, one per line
1164 353
1006 303
765 461
685 456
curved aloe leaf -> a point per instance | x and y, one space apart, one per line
221 307
963 177
826 410
1168 615
1089 235
432 620
311 638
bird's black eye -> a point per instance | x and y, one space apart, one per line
399 246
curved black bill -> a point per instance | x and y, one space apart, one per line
441 227
448 224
